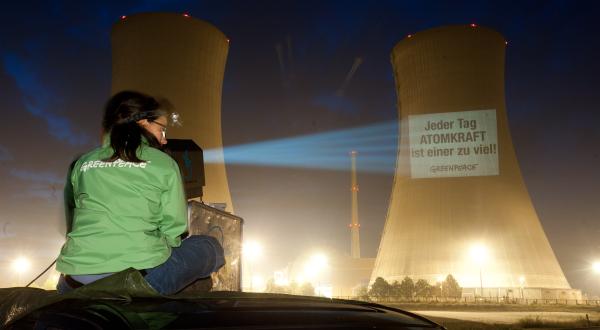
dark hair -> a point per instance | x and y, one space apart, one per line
121 114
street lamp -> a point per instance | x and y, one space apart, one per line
596 267
313 268
258 282
440 280
251 251
521 283
20 266
479 254
316 264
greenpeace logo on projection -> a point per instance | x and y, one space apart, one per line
453 144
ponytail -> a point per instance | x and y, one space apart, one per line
122 113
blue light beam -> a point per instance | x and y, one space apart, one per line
376 146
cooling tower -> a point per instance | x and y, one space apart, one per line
183 59
459 204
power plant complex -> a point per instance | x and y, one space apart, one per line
459 205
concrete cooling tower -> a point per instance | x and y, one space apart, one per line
459 205
182 59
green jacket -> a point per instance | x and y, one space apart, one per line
123 214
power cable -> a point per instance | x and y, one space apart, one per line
42 273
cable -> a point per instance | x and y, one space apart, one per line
42 273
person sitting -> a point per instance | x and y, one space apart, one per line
126 206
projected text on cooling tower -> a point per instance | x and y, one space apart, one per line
453 144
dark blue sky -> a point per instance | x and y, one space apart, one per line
55 75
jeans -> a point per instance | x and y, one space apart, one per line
196 258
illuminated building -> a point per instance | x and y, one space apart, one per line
338 274
182 59
459 204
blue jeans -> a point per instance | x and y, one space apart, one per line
196 258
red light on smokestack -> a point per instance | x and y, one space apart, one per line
123 17
186 15
473 25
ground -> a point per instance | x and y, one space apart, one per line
455 316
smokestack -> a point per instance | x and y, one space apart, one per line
354 225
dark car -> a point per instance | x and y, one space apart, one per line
125 301
220 310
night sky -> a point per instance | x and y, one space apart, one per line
55 76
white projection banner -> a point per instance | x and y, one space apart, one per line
453 144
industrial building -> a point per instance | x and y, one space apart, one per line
459 205
182 59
